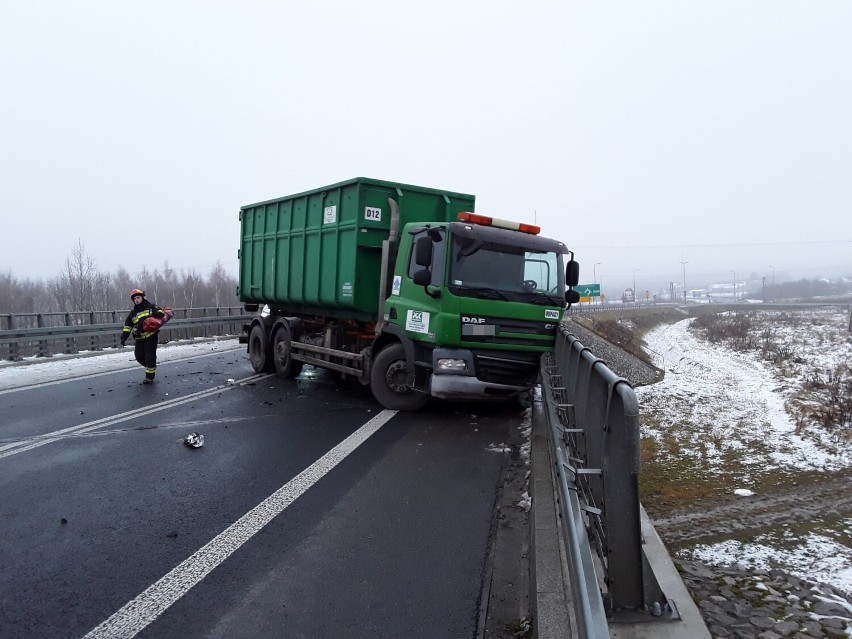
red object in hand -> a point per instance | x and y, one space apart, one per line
151 324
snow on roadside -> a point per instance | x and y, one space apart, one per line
722 405
814 557
735 403
42 370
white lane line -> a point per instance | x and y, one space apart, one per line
13 448
138 613
134 366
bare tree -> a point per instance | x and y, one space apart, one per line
24 296
101 292
8 289
80 287
218 281
122 284
189 285
168 286
75 287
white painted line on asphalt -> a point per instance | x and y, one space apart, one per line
13 448
138 613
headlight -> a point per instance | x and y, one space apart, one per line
452 365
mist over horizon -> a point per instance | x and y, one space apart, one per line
654 272
643 137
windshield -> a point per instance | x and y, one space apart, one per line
481 268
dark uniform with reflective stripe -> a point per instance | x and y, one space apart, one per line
146 343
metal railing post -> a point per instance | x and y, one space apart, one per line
94 341
43 344
69 342
14 355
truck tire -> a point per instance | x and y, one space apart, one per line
282 350
259 355
389 380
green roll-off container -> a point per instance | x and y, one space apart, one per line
320 251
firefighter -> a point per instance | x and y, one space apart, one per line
146 342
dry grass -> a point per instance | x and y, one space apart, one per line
628 332
676 456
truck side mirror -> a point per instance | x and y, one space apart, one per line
572 296
423 257
423 277
572 273
423 251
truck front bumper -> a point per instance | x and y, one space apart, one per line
462 383
458 387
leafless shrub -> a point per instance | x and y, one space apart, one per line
814 381
781 353
825 397
837 375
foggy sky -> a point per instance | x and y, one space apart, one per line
642 135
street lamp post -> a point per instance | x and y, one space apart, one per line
735 285
773 283
635 292
595 272
684 279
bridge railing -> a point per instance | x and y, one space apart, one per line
46 334
593 420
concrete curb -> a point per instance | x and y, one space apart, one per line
551 597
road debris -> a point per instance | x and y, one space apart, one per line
194 440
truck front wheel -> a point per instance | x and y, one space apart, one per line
389 380
282 353
258 352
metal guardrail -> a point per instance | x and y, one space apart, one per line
45 334
594 437
715 306
577 309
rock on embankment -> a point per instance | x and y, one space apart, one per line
620 362
746 603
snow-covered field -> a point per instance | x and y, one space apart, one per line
740 419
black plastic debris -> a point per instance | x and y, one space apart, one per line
194 440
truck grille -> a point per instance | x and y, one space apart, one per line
494 330
518 369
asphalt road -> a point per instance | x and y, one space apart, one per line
308 512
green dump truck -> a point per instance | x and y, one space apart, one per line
402 287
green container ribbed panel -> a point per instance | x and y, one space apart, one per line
322 248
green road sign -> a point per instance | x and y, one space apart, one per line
588 290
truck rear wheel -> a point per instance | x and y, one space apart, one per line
389 380
282 353
259 355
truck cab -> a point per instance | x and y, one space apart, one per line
474 303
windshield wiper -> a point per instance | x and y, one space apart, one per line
545 300
490 293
